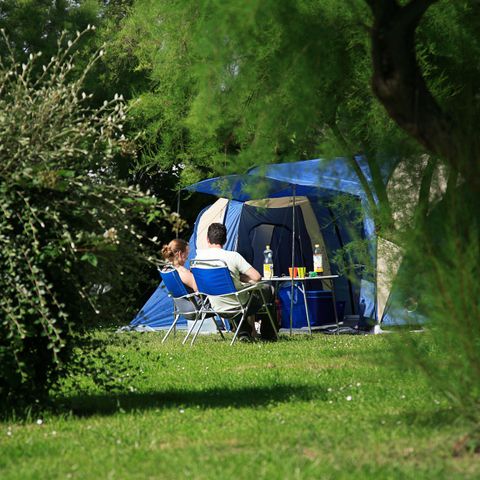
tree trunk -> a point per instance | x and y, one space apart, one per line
399 85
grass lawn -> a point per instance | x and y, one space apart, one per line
322 407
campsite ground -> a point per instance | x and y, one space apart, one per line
322 407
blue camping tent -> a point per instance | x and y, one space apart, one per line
311 185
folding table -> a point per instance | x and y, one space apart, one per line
301 281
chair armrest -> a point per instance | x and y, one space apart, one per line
252 287
193 294
188 296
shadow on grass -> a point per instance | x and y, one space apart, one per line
108 404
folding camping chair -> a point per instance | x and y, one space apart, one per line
190 305
213 279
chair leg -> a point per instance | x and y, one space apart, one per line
238 328
196 333
269 315
172 326
226 324
218 326
198 330
189 331
244 316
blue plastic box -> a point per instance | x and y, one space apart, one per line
320 307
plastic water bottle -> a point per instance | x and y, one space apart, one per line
317 259
267 262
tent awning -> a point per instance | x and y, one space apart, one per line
317 177
241 187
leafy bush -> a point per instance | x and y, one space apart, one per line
97 366
71 234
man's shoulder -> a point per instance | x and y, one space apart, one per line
209 252
232 254
236 259
212 254
220 253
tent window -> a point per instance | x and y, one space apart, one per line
279 237
260 236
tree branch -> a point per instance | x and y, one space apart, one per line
399 84
380 188
358 171
421 210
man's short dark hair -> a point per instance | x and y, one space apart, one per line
217 234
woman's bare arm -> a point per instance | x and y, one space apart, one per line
187 278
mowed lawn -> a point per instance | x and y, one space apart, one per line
322 407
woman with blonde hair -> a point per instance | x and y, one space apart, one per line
176 252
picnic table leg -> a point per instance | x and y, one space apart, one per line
332 286
269 313
291 308
302 288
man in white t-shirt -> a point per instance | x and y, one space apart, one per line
242 274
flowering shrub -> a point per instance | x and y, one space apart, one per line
70 232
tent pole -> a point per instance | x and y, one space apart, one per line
293 258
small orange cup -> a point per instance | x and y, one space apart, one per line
293 272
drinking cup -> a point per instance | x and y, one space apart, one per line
292 272
302 271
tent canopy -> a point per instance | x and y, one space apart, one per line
317 177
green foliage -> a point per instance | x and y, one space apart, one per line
159 51
354 259
71 235
219 86
438 281
239 84
35 25
94 365
448 45
233 85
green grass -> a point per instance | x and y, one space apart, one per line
263 410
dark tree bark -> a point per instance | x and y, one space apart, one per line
399 85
